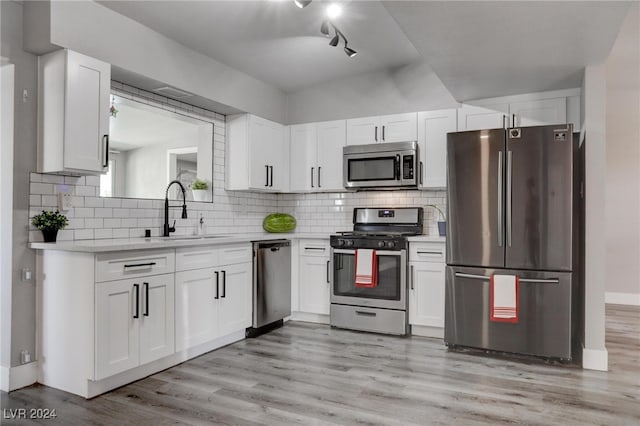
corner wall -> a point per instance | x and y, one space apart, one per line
622 214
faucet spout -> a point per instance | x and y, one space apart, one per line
166 228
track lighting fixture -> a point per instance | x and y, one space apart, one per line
302 3
324 29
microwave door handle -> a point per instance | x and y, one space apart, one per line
397 166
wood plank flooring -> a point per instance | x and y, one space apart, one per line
314 375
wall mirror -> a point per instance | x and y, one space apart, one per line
150 146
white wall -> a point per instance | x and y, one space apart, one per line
97 31
6 216
622 218
23 293
595 94
406 89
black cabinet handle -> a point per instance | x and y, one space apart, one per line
376 134
271 184
136 265
266 168
383 133
312 176
224 284
513 123
146 299
504 119
421 172
136 287
217 285
328 263
319 168
106 150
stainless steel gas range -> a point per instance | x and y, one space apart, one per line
379 234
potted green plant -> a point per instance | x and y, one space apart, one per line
199 188
50 223
442 224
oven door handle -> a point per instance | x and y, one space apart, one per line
378 252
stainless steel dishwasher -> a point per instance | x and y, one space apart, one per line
271 285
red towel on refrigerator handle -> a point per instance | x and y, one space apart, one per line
367 280
508 313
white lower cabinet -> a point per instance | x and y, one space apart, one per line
314 277
214 301
427 288
134 323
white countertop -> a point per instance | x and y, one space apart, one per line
120 244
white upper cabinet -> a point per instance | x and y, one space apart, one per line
316 156
538 112
385 128
73 113
256 154
399 127
433 127
472 117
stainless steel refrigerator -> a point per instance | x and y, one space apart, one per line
513 208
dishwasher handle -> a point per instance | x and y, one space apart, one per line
273 245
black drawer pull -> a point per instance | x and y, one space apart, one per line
137 289
366 314
146 299
217 285
136 265
224 284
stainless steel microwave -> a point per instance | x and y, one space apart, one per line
381 165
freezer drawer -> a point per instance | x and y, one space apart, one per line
544 327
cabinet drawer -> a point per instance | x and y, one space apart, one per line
318 248
133 264
230 255
189 258
427 252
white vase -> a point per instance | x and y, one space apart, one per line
200 194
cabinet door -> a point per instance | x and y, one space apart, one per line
157 334
426 298
478 118
399 127
197 294
260 152
235 303
539 113
86 112
314 283
331 138
433 127
117 331
303 176
365 130
278 158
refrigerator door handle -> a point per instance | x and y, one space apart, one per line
472 276
500 198
540 281
509 198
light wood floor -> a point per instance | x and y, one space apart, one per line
311 374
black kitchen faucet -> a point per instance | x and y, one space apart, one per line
168 229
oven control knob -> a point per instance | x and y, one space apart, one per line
340 243
391 244
381 244
348 243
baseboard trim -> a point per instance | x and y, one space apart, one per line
4 378
631 299
307 317
426 331
595 359
22 375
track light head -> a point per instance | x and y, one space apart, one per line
302 3
334 41
350 52
324 28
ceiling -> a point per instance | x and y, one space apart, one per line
275 41
478 49
487 49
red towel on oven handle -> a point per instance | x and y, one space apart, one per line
515 312
374 272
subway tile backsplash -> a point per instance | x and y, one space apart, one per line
94 217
